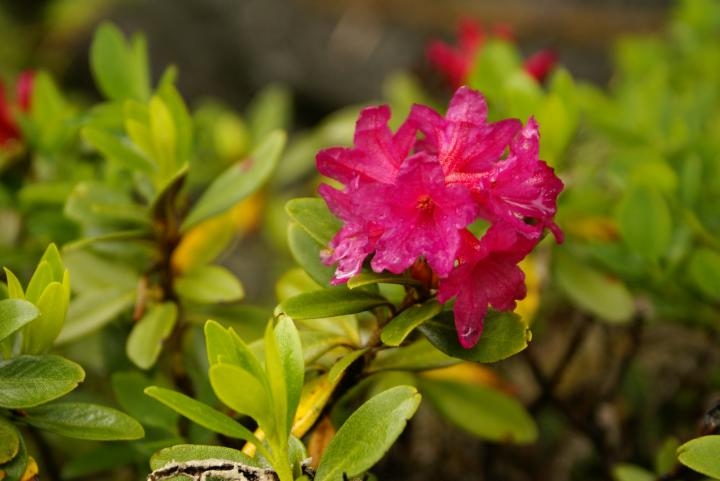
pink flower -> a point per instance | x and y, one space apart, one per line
421 216
456 62
377 155
406 200
487 275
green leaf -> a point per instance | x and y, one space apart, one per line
164 137
117 150
40 279
278 389
15 290
121 72
313 215
92 309
306 252
481 411
600 294
630 472
368 278
269 110
224 345
15 469
504 334
243 392
194 452
9 442
84 421
293 364
147 337
39 335
238 181
418 356
395 332
701 455
645 223
14 314
339 368
704 271
209 284
666 456
27 381
202 414
368 433
331 302
129 387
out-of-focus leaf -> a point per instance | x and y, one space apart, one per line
599 294
238 181
330 302
270 110
368 433
116 150
704 271
645 222
630 472
92 309
27 381
147 337
481 410
84 421
129 387
504 334
209 284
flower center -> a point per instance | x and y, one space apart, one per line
425 203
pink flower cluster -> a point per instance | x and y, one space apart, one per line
8 126
455 62
408 196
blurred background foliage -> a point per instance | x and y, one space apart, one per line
624 363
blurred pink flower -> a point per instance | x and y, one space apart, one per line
455 62
9 129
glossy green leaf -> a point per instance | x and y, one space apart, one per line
14 470
243 392
9 441
238 181
147 337
395 332
598 293
418 356
202 414
313 215
367 434
39 335
120 70
117 150
481 411
84 421
331 302
306 252
369 278
209 284
701 455
224 345
129 387
194 452
504 334
704 271
27 381
14 314
293 364
645 223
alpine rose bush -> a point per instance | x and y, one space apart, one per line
412 195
